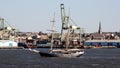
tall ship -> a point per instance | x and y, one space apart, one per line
65 29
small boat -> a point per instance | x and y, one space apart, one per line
30 43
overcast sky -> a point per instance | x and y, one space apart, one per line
35 15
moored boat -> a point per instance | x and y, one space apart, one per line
30 43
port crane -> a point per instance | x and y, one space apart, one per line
5 28
66 23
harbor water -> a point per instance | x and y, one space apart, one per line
93 58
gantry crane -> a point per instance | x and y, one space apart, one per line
66 22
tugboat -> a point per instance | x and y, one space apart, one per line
30 43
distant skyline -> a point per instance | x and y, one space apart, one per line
35 15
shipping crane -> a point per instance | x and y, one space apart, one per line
5 28
67 22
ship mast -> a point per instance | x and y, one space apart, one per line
68 33
52 31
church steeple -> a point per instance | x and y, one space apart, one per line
100 29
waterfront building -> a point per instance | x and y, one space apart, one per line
103 38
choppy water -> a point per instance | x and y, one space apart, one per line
93 58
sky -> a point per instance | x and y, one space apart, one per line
35 15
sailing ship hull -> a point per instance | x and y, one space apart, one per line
60 53
57 54
44 54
